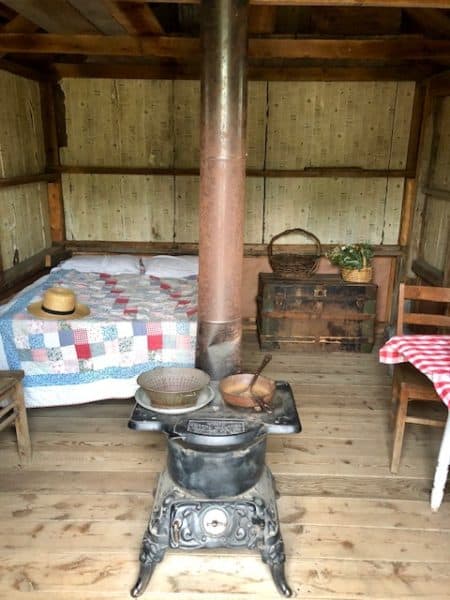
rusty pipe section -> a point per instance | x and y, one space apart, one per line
222 184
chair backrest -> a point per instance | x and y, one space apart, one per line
436 295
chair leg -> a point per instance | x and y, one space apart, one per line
402 410
394 401
21 423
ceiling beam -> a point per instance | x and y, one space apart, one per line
354 3
136 18
385 49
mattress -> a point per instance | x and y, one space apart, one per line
137 322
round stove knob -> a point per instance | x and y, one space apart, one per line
214 521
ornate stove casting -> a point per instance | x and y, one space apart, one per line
187 514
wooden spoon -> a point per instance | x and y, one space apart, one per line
259 400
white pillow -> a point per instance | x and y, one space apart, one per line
170 266
102 263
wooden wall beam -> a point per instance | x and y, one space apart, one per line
192 248
24 179
415 127
191 71
22 70
402 48
308 172
16 277
51 142
409 195
56 212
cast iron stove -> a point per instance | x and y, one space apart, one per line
217 490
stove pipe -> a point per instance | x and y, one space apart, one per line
222 185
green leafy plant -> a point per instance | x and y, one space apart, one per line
351 256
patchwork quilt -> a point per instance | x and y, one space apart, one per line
137 322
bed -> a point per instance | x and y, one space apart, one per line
140 319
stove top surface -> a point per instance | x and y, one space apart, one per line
221 420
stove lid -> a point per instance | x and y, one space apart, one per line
217 431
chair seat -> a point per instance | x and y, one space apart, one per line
418 384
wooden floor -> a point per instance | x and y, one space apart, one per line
72 522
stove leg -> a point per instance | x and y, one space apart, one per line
145 574
152 553
279 578
272 553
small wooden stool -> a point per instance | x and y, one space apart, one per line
12 410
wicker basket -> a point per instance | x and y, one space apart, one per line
299 266
363 275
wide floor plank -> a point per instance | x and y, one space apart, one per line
72 521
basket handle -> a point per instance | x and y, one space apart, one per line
295 230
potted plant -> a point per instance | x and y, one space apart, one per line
354 260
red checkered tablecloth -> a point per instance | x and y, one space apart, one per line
430 354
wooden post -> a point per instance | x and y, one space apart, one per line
51 141
409 194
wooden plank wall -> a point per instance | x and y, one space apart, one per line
436 219
24 220
294 125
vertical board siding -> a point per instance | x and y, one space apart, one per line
436 232
336 210
292 125
24 222
118 207
351 124
187 123
186 209
112 122
22 149
440 169
436 217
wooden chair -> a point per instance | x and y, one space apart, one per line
12 410
408 383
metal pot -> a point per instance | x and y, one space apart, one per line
236 391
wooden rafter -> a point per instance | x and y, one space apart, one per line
398 48
134 17
19 25
98 14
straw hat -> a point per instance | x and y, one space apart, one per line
58 303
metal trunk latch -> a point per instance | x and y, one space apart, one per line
320 292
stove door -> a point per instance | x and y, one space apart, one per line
215 524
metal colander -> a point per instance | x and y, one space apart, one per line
173 386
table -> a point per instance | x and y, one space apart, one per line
430 354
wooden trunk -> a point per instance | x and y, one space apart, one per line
320 313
